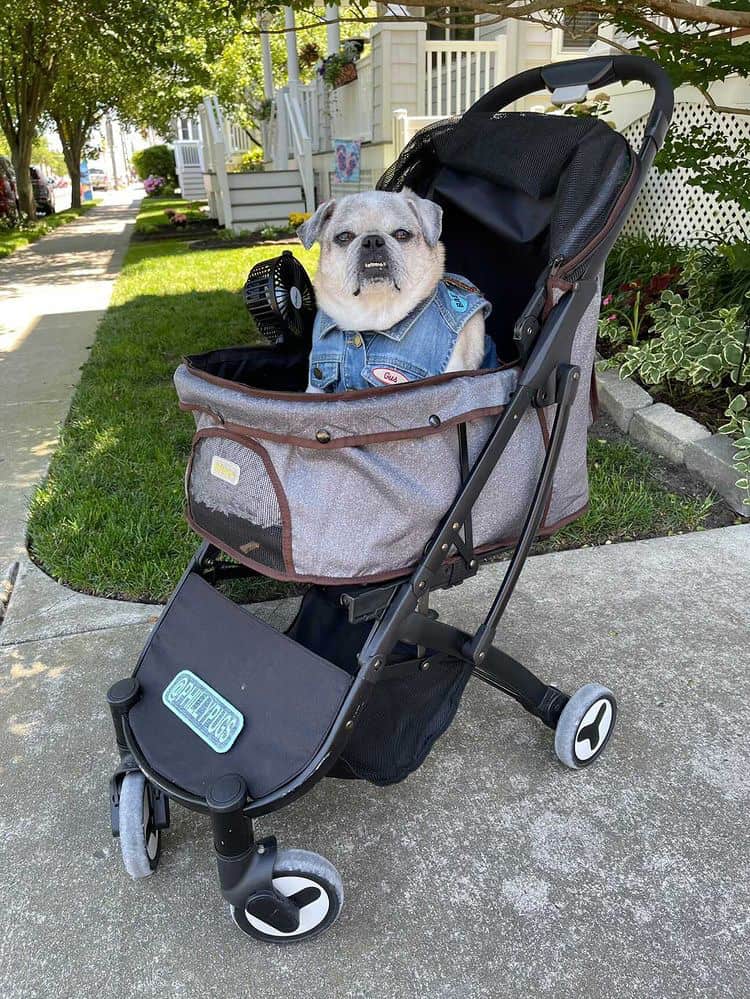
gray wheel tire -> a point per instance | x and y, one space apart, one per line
294 870
139 843
585 726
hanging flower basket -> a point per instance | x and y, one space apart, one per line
347 74
338 69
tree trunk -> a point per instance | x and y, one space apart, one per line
20 152
73 135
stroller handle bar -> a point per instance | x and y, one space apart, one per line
570 81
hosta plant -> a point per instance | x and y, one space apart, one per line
738 426
688 344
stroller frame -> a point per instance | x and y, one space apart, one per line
400 610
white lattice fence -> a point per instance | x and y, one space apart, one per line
671 208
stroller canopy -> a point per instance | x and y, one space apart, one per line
518 191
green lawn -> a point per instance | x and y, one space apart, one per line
109 517
151 217
13 239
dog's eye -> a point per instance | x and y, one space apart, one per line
402 235
344 237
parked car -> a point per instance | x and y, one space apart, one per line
44 192
99 179
8 189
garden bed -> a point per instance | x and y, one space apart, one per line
676 320
153 220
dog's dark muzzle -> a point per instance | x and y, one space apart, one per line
374 262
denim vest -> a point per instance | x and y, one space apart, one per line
342 359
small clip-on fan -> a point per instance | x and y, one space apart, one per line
279 296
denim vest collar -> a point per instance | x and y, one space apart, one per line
398 332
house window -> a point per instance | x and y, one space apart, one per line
187 129
580 30
459 26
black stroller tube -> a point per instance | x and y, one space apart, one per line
595 71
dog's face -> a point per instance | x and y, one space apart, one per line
379 256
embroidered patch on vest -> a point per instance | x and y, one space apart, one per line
459 303
203 710
388 376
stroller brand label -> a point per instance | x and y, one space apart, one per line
226 470
207 713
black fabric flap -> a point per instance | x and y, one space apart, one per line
289 697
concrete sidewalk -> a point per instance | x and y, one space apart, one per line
52 295
491 872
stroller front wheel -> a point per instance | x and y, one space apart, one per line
585 726
312 882
140 839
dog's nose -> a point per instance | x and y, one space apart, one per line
373 242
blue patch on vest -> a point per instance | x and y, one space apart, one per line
459 303
212 718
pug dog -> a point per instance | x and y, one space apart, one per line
387 311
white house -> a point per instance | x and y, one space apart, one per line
408 75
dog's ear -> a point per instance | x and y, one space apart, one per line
310 230
429 215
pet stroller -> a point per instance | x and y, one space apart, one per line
377 498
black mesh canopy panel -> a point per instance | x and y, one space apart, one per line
518 190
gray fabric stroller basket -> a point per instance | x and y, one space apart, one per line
349 487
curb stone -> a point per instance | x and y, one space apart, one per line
677 437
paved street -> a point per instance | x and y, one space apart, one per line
491 872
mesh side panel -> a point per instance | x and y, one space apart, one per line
233 498
418 161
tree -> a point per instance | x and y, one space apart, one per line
29 49
72 59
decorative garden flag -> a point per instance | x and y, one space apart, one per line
347 153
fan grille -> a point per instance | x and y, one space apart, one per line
280 298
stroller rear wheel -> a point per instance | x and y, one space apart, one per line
585 726
312 882
140 840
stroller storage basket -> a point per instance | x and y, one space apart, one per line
335 488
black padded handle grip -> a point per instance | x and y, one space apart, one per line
596 71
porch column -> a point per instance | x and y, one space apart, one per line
398 75
265 55
292 62
333 28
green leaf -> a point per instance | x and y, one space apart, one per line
738 404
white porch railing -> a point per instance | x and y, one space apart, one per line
352 105
236 138
406 126
458 73
187 153
291 130
215 161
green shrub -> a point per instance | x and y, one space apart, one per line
690 344
738 427
156 161
681 315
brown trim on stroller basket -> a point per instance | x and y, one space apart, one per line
352 440
349 394
286 517
379 577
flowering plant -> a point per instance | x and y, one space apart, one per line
152 185
627 309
